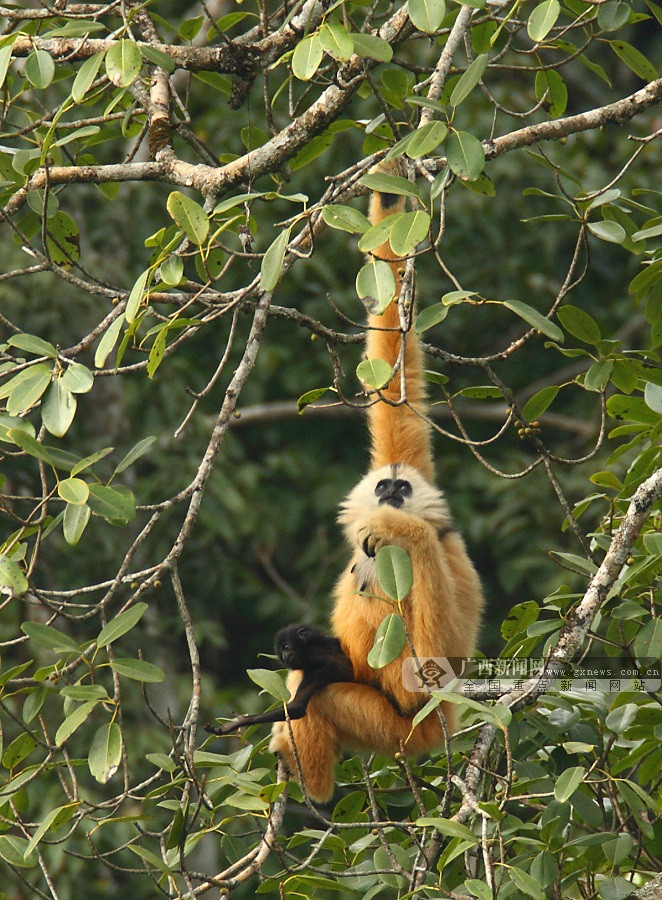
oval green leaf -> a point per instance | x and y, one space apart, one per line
122 623
369 46
138 670
39 69
12 579
609 231
271 682
430 316
375 284
58 408
408 231
26 388
307 57
543 19
74 522
537 405
113 504
78 379
394 572
74 721
189 216
580 324
106 752
568 782
427 15
272 262
123 62
465 154
85 76
376 373
336 41
345 218
469 80
426 139
390 640
32 344
73 490
535 319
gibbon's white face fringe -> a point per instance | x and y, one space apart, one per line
400 486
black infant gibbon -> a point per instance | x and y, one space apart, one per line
396 503
317 658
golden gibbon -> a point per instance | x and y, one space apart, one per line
396 503
320 661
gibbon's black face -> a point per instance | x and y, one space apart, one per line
393 491
291 645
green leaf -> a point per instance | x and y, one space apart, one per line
543 19
74 522
74 721
369 46
272 261
310 397
85 76
612 16
482 392
58 408
78 379
449 828
375 284
335 40
73 490
376 373
453 297
105 752
32 344
26 388
389 184
271 682
568 782
19 749
117 505
465 154
55 457
390 640
427 15
39 69
526 883
608 231
85 692
648 642
430 316
598 375
426 139
307 57
161 761
519 618
121 624
408 231
172 270
12 850
653 397
345 218
377 234
394 572
60 814
135 453
634 59
632 409
189 216
12 579
550 82
108 341
535 319
5 61
90 460
469 80
123 63
537 405
138 670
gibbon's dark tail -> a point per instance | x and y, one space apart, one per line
398 434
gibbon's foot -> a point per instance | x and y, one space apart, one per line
370 540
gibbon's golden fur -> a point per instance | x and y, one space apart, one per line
395 503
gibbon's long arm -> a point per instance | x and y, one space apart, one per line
314 659
398 434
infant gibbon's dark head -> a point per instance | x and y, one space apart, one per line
304 646
399 486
